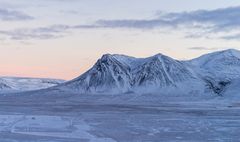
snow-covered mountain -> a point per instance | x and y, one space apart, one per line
212 73
218 69
161 71
16 84
121 74
222 64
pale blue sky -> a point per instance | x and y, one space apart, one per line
63 38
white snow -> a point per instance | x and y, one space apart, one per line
16 84
48 126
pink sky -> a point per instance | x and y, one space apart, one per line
59 39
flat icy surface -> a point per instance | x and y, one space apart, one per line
73 119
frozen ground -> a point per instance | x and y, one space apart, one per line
93 119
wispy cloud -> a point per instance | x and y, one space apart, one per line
218 20
42 33
231 37
202 48
50 32
201 23
138 24
218 23
12 15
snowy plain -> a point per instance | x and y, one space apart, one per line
125 118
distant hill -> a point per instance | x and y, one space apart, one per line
16 84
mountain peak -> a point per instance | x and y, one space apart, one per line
161 57
231 52
106 56
221 64
158 55
226 53
108 59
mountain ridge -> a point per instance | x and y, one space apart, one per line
158 74
121 74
